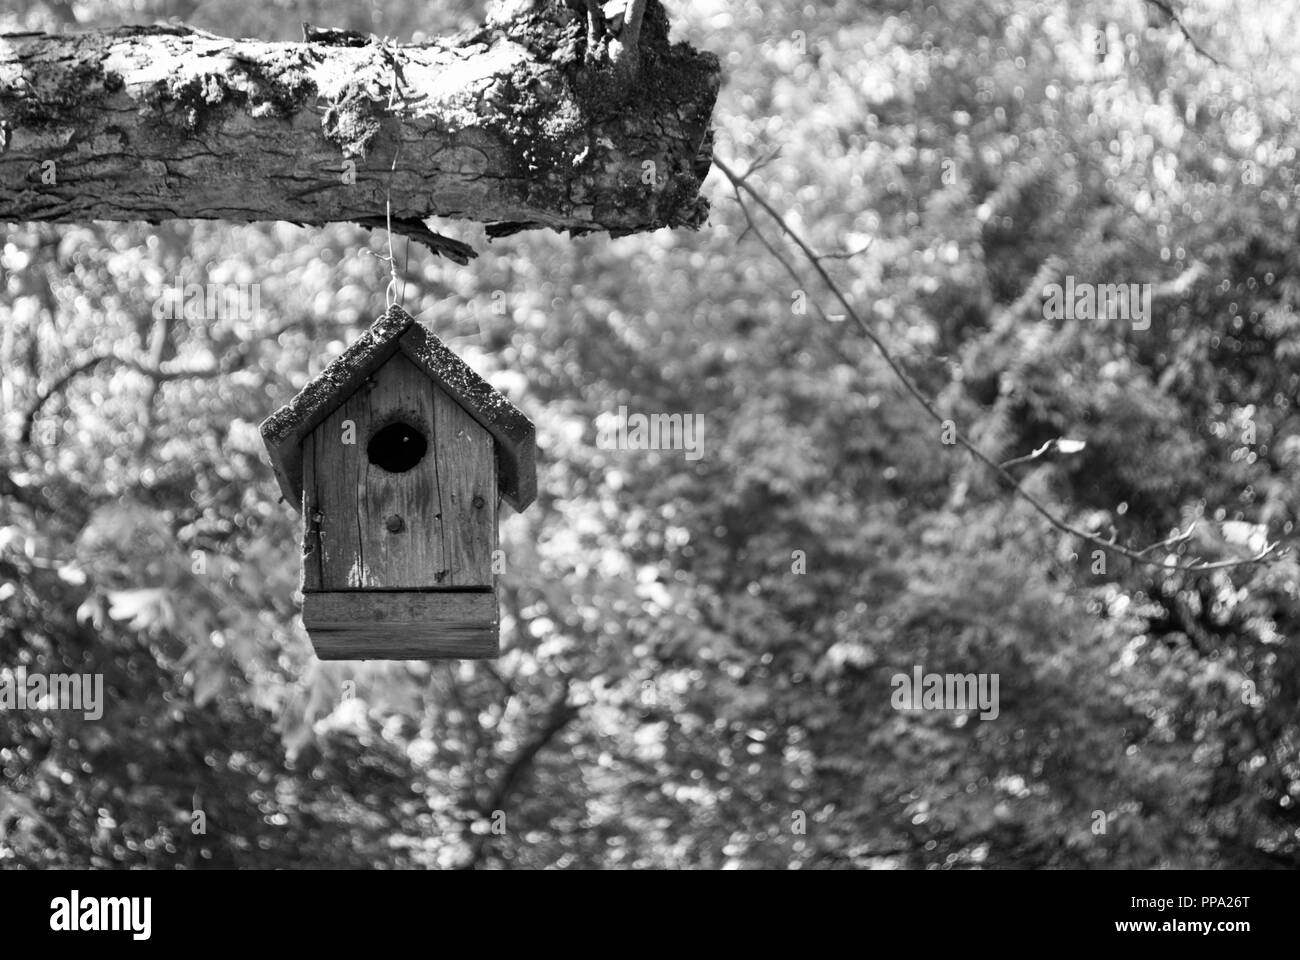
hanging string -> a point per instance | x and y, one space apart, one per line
392 295
406 271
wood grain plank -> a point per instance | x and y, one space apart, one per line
366 625
467 489
415 555
339 471
311 552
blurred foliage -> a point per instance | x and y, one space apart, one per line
671 692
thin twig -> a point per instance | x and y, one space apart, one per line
560 712
1177 537
1029 456
846 254
1169 12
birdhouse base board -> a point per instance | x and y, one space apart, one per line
402 624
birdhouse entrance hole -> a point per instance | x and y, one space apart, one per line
397 447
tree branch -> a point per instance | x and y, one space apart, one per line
559 715
509 126
152 368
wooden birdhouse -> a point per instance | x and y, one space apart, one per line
398 456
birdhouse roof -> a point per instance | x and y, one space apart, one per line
397 331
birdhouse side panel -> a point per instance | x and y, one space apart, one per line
404 488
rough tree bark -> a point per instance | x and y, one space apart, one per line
532 120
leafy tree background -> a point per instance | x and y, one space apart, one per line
672 693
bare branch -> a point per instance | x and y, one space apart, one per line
42 398
558 716
846 254
1164 7
1170 541
151 368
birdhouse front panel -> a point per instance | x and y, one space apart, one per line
399 490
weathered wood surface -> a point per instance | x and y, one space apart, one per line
519 124
375 625
447 503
